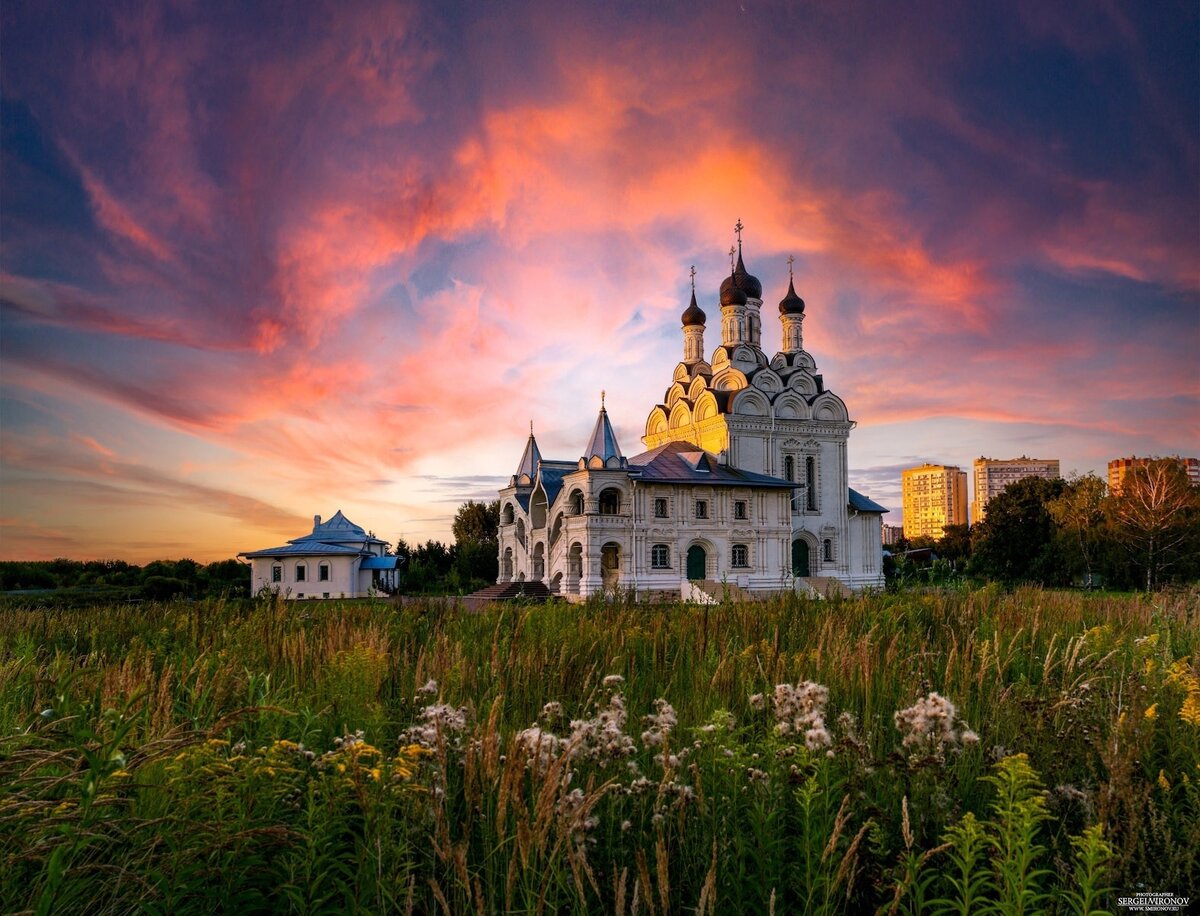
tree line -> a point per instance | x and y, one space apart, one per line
1073 531
118 580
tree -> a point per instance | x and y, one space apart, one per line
1078 515
1016 541
1156 515
477 522
954 544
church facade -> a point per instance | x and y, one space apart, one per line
745 481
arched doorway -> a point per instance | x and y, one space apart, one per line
697 562
610 565
800 567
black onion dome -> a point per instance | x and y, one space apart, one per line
746 282
731 294
791 304
693 314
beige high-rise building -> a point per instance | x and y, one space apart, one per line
934 496
992 475
1119 467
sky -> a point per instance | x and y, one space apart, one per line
260 262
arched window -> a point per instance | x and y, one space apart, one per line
521 531
789 467
741 556
556 531
810 481
827 550
506 567
301 572
323 572
610 501
577 502
539 560
660 557
509 516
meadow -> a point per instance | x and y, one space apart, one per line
957 751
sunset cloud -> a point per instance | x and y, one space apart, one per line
344 256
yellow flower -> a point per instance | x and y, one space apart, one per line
341 768
1163 782
375 773
1152 712
1180 673
1190 711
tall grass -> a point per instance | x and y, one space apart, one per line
324 757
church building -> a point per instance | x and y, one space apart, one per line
338 559
744 485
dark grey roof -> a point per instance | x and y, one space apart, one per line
682 462
863 504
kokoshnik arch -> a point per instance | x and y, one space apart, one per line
744 483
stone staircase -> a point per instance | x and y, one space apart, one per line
504 591
824 587
721 591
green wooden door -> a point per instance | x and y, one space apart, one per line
696 562
800 558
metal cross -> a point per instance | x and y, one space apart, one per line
693 278
732 255
738 227
791 261
602 398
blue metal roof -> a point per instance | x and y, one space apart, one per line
379 563
604 441
552 478
303 547
863 504
529 458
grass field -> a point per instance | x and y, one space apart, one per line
952 752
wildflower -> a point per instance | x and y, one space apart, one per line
552 711
1163 782
757 701
929 724
541 747
439 718
430 688
800 710
625 825
602 738
660 723
612 681
1190 711
1151 712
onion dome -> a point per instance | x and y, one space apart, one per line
731 294
791 304
693 314
746 282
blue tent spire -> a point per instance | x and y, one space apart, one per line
603 443
530 457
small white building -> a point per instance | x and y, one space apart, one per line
337 560
745 483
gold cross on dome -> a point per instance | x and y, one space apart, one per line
791 261
732 255
738 227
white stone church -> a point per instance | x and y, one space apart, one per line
744 486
